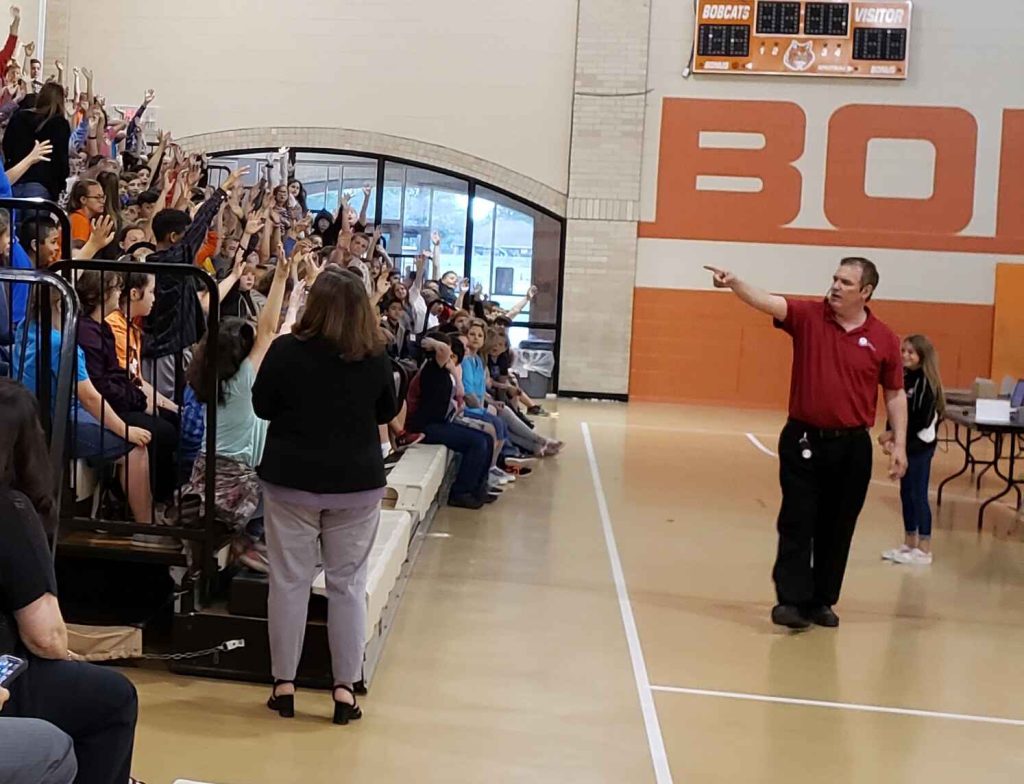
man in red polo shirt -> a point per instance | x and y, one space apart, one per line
841 354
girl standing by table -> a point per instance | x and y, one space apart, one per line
926 404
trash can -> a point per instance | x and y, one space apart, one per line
535 366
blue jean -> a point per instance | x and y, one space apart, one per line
500 428
476 449
30 190
917 513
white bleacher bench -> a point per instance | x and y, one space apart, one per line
389 552
416 479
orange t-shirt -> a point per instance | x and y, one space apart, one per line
80 226
127 342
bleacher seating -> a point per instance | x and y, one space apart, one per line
414 482
390 551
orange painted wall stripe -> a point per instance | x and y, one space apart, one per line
708 347
1008 327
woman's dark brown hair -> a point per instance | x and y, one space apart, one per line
50 102
338 311
235 340
24 458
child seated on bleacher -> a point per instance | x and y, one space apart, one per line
432 410
113 441
134 401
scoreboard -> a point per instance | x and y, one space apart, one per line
844 38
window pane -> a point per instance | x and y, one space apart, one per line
326 176
418 202
481 272
516 247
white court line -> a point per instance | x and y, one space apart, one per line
756 442
659 757
702 431
881 482
852 706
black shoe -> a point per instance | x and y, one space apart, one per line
284 704
490 498
464 502
789 615
345 712
822 615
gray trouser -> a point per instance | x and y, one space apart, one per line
346 537
520 434
35 752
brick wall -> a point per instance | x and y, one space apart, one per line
604 194
382 144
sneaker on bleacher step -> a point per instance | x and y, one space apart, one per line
520 462
499 476
405 439
255 560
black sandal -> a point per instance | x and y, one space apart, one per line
284 704
343 711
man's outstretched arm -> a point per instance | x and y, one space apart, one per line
772 304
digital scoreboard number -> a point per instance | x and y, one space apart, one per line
839 38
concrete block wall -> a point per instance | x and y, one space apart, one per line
604 195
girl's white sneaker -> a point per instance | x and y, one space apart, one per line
915 557
890 555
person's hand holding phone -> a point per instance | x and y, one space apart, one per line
4 696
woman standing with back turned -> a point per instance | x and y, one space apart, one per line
45 122
324 389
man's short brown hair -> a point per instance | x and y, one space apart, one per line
868 271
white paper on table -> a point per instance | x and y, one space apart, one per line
994 411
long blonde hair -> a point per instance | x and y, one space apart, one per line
930 367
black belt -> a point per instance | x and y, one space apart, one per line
826 434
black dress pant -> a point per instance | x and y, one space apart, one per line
822 495
96 706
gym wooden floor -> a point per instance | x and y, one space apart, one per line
524 652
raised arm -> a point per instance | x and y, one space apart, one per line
88 74
521 305
153 164
417 285
772 304
12 38
442 351
366 203
195 235
435 255
266 328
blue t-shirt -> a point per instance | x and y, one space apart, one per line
473 380
28 372
19 260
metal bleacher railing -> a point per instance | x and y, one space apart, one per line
77 532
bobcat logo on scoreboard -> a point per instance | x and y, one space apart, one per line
799 56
